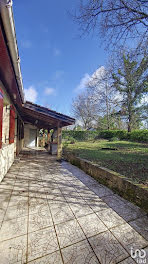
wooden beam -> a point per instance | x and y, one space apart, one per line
43 137
48 137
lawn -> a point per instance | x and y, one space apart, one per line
128 158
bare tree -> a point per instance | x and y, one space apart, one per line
84 109
116 19
103 93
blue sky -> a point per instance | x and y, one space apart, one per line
55 62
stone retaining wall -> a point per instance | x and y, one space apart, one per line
135 193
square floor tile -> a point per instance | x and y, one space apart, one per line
13 250
4 198
18 200
56 199
19 210
128 237
2 213
39 220
37 193
80 208
7 185
13 228
107 248
91 225
41 243
110 218
128 261
61 213
37 205
97 205
18 193
80 253
69 233
54 258
141 226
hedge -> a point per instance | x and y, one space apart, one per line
136 135
79 135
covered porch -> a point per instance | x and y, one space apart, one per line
37 118
53 213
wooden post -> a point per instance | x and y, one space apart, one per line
43 138
1 116
12 125
48 137
59 146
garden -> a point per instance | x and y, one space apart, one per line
120 151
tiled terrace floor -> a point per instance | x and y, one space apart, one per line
53 213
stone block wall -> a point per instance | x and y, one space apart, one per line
6 159
6 120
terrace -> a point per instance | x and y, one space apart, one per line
52 212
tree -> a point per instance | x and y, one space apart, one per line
103 95
84 109
132 82
116 19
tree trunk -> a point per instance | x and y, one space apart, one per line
129 121
107 109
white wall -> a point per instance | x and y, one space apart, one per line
27 128
8 151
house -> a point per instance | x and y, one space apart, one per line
20 121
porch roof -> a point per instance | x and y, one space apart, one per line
43 117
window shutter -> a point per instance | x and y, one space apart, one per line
1 116
12 125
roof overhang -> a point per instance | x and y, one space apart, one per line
10 52
43 117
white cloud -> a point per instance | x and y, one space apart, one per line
91 79
97 75
31 94
56 52
83 83
26 44
49 91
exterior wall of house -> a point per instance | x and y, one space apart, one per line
6 159
27 128
11 144
6 124
6 150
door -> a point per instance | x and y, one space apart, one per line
32 138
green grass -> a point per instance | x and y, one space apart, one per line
130 158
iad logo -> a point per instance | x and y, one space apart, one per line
139 255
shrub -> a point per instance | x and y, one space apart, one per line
71 140
114 139
136 135
79 135
139 135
